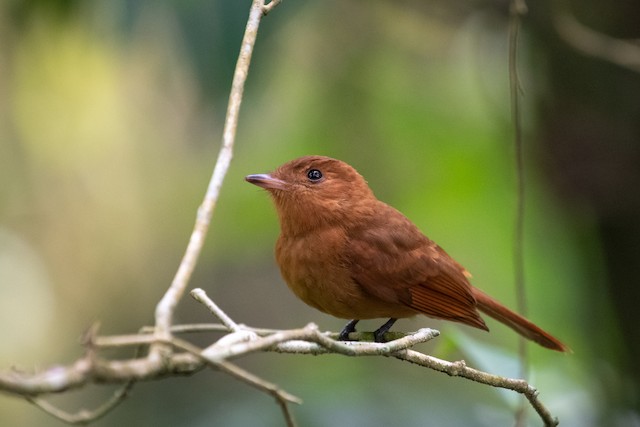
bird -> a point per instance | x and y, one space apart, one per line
350 255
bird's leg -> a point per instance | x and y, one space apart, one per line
348 328
378 334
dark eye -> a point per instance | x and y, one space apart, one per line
314 175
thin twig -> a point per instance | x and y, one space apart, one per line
85 416
623 53
517 9
202 297
166 306
268 7
206 327
460 369
282 397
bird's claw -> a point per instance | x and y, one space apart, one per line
348 328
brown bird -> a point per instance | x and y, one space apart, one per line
346 253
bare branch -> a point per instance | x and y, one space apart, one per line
282 397
460 369
268 7
201 296
85 416
518 8
307 340
590 42
166 306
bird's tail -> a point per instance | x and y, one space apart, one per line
493 308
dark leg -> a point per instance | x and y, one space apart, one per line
348 328
378 334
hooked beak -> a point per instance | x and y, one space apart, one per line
266 181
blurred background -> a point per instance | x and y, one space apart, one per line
111 117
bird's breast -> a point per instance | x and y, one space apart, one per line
313 266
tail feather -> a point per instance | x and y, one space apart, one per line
524 327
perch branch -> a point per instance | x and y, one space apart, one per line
307 340
190 359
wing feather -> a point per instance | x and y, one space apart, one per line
393 261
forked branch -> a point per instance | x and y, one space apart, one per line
187 359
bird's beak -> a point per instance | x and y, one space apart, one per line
266 181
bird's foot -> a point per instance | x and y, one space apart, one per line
378 334
348 328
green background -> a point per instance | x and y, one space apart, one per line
111 116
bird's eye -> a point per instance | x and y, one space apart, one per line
314 175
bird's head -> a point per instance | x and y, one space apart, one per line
312 191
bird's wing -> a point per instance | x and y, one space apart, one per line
393 261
